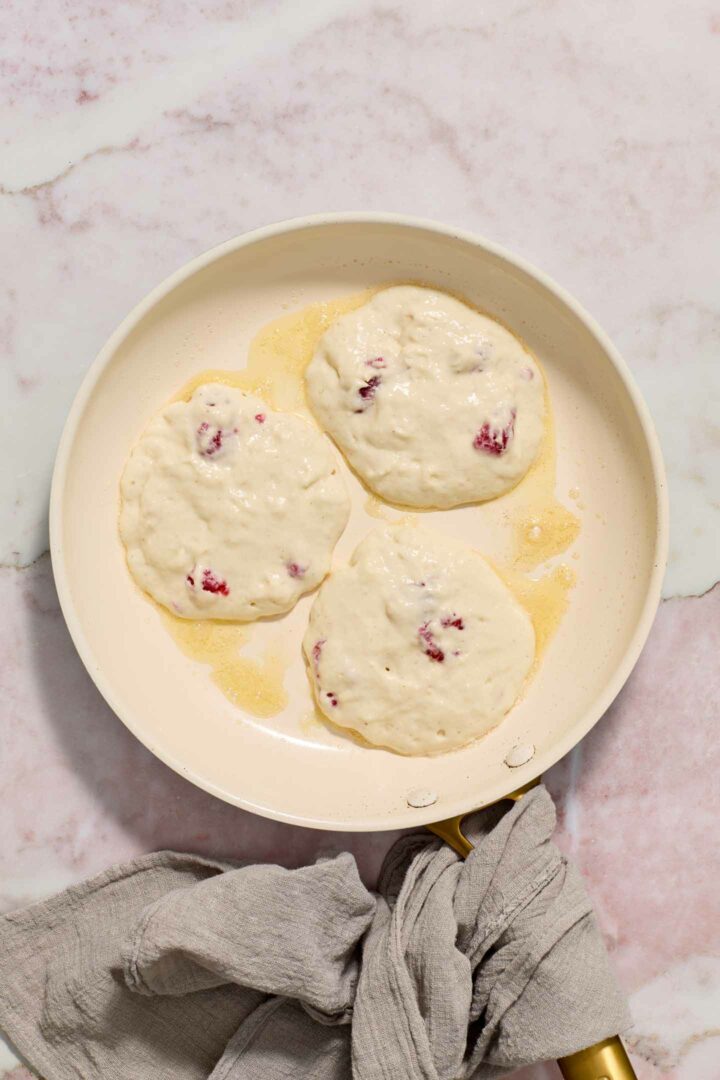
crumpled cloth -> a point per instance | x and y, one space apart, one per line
174 967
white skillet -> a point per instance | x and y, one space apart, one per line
205 316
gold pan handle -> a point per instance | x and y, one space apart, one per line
606 1060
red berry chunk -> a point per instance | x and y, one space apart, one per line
316 653
260 417
191 581
453 620
209 440
367 392
494 440
295 570
376 362
213 584
430 647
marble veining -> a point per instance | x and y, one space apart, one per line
585 138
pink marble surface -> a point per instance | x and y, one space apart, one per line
586 138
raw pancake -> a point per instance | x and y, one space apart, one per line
433 404
417 644
230 510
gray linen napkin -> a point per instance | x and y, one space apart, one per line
179 967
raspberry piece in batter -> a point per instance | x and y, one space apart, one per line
493 440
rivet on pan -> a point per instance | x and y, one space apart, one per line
520 755
421 797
